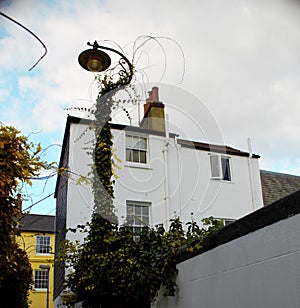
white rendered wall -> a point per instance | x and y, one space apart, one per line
261 269
80 197
176 181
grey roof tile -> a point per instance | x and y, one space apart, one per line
37 223
277 185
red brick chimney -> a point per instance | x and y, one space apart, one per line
154 113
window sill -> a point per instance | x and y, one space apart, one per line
40 290
222 181
138 166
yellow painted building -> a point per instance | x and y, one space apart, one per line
37 239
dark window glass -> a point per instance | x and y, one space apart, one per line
226 169
43 244
41 279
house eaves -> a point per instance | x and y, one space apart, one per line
223 149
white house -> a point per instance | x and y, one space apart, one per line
160 176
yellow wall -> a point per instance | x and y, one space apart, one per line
27 241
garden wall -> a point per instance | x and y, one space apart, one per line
254 262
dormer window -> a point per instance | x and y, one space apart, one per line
136 149
220 167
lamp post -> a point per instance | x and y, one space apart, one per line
46 268
97 60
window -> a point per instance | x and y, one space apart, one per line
136 149
220 167
228 221
137 215
41 279
43 244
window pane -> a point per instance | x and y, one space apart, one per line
130 209
145 210
130 214
128 155
130 219
146 220
138 210
215 166
138 221
135 157
143 144
143 157
135 142
226 169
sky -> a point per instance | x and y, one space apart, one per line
231 67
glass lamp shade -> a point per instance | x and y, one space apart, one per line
94 60
94 65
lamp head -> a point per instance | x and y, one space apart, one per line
94 60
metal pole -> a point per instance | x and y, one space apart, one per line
47 299
47 268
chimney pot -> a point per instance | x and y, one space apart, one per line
155 94
154 115
150 99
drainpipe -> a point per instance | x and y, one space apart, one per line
253 197
177 147
166 173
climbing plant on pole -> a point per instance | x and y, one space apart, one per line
102 155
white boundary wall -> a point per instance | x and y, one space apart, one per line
261 269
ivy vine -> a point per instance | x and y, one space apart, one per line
116 268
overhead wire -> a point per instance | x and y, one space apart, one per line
34 35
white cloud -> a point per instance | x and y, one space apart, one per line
242 61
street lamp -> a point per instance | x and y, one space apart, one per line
96 60
46 268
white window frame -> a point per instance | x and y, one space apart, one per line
140 218
42 279
138 149
216 167
41 245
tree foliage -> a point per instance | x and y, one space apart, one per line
116 268
19 162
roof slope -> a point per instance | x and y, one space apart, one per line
277 185
37 223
